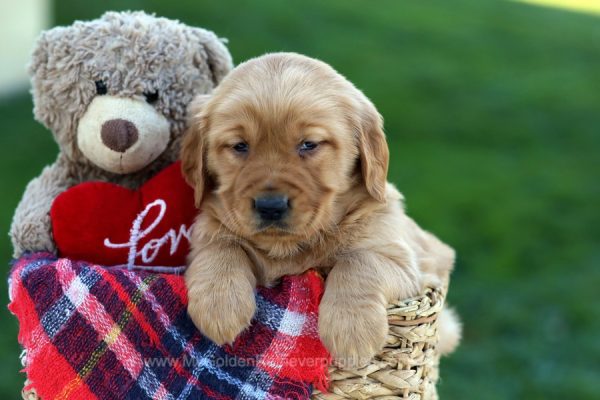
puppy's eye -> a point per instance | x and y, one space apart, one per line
101 88
307 146
241 147
151 97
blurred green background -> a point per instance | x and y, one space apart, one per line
492 112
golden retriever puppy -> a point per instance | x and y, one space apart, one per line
289 161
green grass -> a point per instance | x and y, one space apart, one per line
491 112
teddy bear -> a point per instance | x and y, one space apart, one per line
113 92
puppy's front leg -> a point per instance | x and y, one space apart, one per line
221 283
352 315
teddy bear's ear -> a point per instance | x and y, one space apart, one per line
219 58
39 56
49 89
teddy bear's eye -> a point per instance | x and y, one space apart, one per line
151 97
101 88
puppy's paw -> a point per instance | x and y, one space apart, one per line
352 332
221 315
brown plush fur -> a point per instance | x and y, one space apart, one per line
132 53
344 216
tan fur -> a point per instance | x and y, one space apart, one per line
344 217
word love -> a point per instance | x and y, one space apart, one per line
150 250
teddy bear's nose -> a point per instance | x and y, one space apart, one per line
119 134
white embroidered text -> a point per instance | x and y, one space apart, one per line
150 250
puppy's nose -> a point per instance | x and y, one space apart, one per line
119 134
271 207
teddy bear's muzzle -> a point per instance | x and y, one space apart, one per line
122 135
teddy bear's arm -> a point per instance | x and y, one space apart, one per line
31 229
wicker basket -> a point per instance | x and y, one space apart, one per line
406 368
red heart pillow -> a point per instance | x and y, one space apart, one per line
109 225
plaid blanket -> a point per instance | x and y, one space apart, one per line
98 333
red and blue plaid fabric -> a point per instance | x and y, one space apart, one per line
97 333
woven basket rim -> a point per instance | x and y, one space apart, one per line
407 367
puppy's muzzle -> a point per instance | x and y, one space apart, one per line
272 207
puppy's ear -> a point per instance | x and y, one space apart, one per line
374 152
193 149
